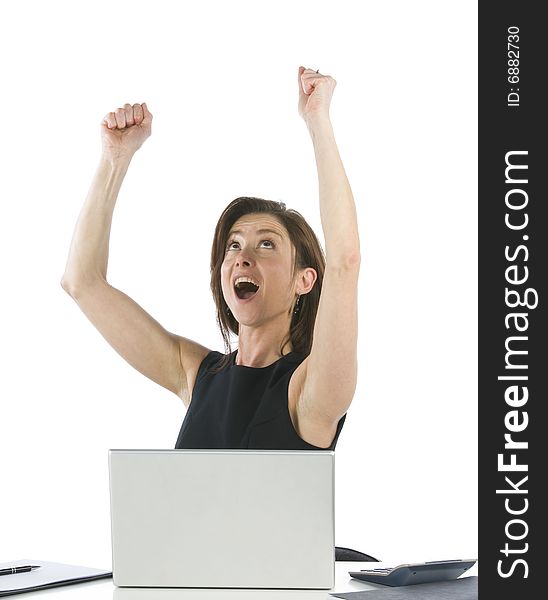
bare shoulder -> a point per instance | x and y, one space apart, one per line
191 356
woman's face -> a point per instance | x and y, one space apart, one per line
256 274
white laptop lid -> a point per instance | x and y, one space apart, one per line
222 518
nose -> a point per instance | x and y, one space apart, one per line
244 259
243 262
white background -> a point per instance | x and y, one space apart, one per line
221 81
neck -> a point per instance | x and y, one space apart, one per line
261 346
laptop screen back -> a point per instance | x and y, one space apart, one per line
222 518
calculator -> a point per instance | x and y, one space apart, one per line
412 573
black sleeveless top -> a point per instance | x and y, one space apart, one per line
244 407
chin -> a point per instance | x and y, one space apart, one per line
245 321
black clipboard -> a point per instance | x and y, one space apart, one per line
49 575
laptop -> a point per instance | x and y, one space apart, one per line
222 518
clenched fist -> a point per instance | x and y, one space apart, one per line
124 130
315 93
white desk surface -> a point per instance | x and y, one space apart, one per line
105 590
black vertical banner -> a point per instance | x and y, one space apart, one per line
513 268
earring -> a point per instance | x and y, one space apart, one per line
228 311
297 305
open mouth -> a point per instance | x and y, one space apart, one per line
245 289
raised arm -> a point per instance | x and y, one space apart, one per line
168 359
331 368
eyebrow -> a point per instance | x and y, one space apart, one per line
259 231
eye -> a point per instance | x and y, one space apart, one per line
234 245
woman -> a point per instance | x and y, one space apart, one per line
293 376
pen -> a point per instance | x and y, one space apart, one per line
18 569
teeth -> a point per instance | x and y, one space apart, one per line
245 280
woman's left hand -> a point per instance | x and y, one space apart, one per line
315 92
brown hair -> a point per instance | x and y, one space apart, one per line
308 253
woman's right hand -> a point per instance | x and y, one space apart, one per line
124 130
